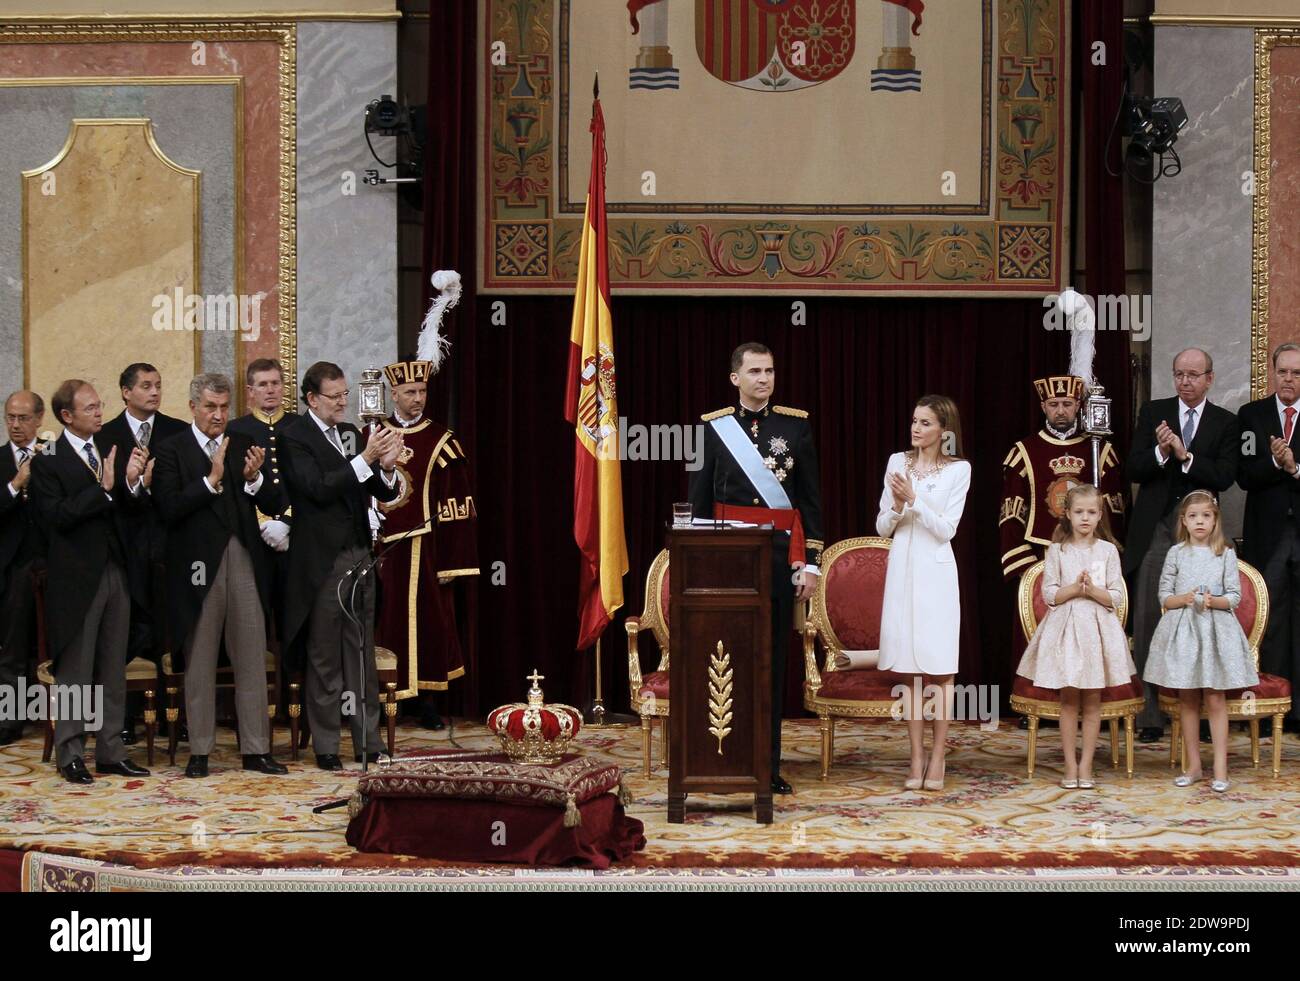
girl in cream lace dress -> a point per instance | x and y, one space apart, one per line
1079 647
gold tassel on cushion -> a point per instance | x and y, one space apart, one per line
624 795
572 816
356 803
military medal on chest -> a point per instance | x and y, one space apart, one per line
779 459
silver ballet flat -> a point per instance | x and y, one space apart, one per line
1220 786
1186 780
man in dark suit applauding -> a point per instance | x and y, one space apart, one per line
1181 444
141 425
331 484
22 546
218 583
1269 475
87 607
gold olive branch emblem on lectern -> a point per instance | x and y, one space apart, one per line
720 713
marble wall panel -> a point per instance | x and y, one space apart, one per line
347 243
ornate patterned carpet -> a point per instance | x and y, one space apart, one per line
988 819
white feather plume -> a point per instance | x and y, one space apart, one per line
432 345
1082 324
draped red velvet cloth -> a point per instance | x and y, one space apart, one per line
857 366
473 831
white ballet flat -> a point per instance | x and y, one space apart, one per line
1186 780
1069 784
1220 786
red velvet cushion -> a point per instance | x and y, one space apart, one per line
655 683
469 831
1270 686
490 776
855 593
1040 604
663 596
863 685
1248 606
1025 688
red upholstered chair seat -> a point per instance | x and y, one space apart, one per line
866 685
1270 686
1025 688
656 684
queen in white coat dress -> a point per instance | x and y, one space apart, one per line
920 622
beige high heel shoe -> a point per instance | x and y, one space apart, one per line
913 783
935 784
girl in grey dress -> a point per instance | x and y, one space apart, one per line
1199 647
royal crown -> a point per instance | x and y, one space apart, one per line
1067 464
535 732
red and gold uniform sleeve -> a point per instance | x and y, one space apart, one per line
1112 487
456 519
1017 553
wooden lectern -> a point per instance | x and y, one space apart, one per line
720 674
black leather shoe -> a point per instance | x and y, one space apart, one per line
328 761
122 768
76 772
197 766
779 786
430 719
1150 734
371 757
8 735
128 736
263 763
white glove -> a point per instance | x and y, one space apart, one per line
375 520
276 535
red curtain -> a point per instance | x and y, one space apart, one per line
857 366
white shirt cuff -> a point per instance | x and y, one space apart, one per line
251 487
12 490
208 484
1162 460
1187 464
361 468
389 478
813 569
136 487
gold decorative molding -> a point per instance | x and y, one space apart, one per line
250 17
1265 42
720 702
1221 20
154 29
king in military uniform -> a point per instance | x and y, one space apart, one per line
430 531
1037 473
759 464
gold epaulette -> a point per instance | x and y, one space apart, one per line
710 416
785 410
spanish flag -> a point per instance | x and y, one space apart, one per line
591 407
